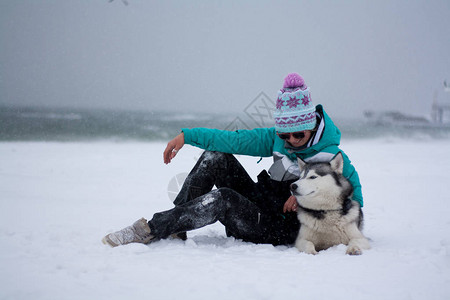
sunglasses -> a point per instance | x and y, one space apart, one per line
285 136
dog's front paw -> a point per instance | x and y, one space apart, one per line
354 250
356 246
305 246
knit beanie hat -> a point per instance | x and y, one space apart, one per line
294 109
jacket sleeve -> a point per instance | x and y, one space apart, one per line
351 174
255 142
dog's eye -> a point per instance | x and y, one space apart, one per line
312 177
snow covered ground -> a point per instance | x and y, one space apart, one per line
57 200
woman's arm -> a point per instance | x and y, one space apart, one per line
255 142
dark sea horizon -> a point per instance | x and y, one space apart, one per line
33 123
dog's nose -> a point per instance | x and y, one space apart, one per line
293 187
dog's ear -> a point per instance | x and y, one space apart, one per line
337 163
301 163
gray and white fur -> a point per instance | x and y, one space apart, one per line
327 213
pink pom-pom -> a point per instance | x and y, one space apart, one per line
293 80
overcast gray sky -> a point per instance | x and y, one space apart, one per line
219 55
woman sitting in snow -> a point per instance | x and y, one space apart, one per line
261 212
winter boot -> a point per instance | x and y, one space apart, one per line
139 232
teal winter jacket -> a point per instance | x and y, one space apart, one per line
264 142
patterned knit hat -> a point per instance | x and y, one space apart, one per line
294 109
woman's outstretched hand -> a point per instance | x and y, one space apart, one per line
173 147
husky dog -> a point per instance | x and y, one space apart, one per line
327 214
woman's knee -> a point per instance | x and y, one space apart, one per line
215 161
214 156
217 156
